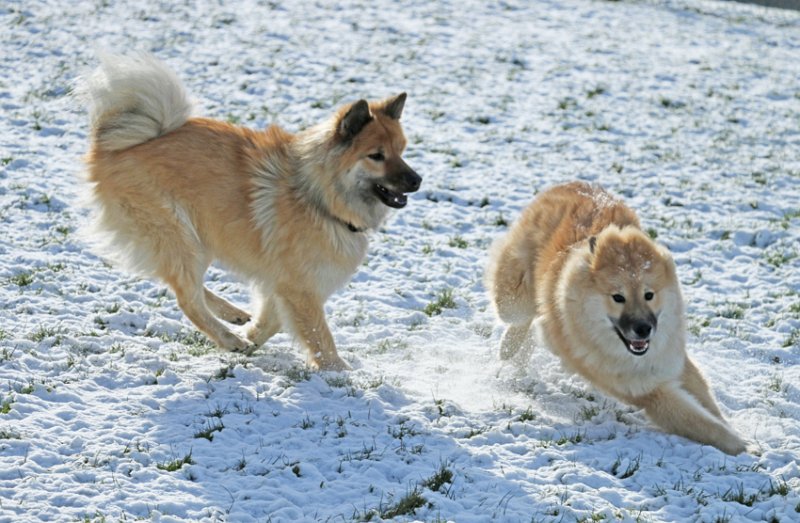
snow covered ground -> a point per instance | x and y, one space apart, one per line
113 408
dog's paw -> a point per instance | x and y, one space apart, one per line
248 350
334 363
732 444
234 343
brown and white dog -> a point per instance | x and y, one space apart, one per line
288 212
605 299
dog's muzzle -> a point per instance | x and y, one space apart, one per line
635 333
391 191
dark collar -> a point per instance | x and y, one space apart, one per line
350 226
327 214
353 228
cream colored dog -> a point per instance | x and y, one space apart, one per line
606 300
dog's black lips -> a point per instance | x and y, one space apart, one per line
637 347
396 200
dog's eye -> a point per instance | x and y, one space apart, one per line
648 295
376 157
619 298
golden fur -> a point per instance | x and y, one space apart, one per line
606 300
287 212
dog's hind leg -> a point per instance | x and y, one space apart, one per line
224 309
304 315
509 280
267 322
678 412
186 280
515 336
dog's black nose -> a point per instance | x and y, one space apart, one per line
413 181
642 329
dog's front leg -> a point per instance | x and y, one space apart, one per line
675 410
303 313
694 382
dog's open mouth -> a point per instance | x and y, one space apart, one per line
635 347
396 200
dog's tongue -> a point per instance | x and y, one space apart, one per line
639 344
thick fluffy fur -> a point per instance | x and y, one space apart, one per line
288 212
604 298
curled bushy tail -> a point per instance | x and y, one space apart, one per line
133 99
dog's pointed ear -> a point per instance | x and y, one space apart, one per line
354 120
394 106
592 243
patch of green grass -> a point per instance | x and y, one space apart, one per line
574 438
671 104
195 341
475 431
403 430
723 518
208 431
176 464
5 406
9 434
564 439
440 478
780 488
224 372
738 495
760 178
386 344
732 311
567 103
594 516
778 258
528 415
444 300
588 413
630 469
794 308
793 339
22 279
241 464
405 506
500 221
458 242
298 374
97 517
597 91
42 333
339 381
217 412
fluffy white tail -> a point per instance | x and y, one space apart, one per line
133 99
